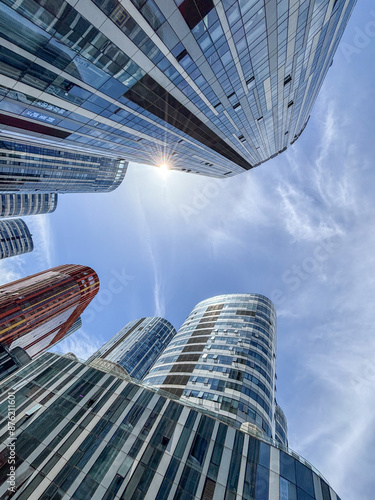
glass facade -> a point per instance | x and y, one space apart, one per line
82 433
13 205
11 360
137 346
208 87
40 310
281 426
30 167
224 357
15 238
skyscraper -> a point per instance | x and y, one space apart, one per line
82 433
13 205
281 426
15 238
29 166
224 357
137 346
39 310
207 87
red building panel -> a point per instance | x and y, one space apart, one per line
37 311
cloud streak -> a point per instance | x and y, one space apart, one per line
80 343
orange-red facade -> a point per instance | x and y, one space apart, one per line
38 311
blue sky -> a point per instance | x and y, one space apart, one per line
298 229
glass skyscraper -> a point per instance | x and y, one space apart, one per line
13 205
281 426
28 167
38 311
15 238
224 358
207 87
82 433
137 346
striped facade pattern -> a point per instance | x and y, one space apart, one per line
13 205
224 358
137 346
30 167
281 426
210 87
15 238
85 434
39 310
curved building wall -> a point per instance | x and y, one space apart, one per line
30 167
75 326
93 435
223 357
15 238
281 426
39 310
13 205
209 87
138 345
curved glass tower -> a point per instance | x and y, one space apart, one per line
40 310
29 166
13 205
224 357
281 426
15 238
137 346
209 87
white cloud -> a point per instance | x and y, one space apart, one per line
40 228
79 343
332 386
11 269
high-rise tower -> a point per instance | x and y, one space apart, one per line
213 87
29 166
136 347
13 205
40 310
281 426
15 238
224 357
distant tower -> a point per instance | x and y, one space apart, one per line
75 326
40 310
223 357
14 205
15 238
28 166
11 360
281 426
137 346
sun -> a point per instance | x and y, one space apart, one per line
164 169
